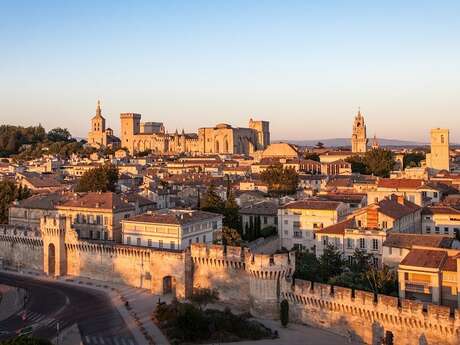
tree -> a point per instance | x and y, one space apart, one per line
357 164
211 201
284 312
413 159
59 134
382 281
230 237
361 261
204 296
101 179
319 145
231 212
312 156
307 266
379 162
280 180
330 263
10 192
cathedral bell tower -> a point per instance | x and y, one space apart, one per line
359 137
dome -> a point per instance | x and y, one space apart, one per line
223 125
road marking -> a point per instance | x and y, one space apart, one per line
87 339
101 340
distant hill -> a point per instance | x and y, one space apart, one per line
336 142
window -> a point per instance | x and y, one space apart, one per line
384 224
349 243
350 259
265 220
296 224
297 234
197 240
428 229
172 245
128 240
375 261
160 244
436 229
286 222
359 223
390 250
190 242
149 243
375 244
362 243
204 238
138 242
325 240
435 194
457 232
214 225
446 230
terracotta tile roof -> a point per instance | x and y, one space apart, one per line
178 217
400 240
396 210
339 228
343 197
450 264
41 180
312 204
265 208
425 258
440 210
103 201
400 183
43 201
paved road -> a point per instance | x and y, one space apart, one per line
98 320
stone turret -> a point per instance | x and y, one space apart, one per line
265 275
53 231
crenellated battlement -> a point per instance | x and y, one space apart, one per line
262 266
54 225
388 312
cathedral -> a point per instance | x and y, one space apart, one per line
98 135
359 137
139 136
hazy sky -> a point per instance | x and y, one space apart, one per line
305 66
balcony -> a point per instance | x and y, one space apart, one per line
418 287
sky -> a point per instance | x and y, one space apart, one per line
305 66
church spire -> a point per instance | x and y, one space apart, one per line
98 109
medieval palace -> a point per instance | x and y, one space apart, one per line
139 136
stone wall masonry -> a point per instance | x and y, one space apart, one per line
134 266
366 317
20 248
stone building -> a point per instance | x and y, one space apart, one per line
221 139
171 229
439 158
359 136
299 221
99 135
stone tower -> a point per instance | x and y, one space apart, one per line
359 137
439 158
262 129
55 255
130 126
375 143
96 135
265 275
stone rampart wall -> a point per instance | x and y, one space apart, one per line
366 317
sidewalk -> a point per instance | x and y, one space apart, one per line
136 313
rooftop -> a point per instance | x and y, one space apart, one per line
177 217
